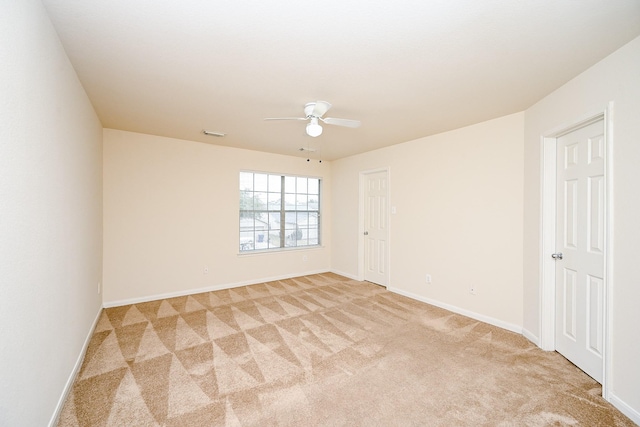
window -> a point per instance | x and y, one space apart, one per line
278 211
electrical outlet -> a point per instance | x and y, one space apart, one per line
304 258
427 279
472 290
206 270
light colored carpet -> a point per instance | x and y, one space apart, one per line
320 350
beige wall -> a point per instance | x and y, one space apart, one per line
171 209
616 79
51 216
458 197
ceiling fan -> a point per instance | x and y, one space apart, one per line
313 111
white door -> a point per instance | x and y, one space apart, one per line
580 239
376 223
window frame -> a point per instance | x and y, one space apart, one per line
286 235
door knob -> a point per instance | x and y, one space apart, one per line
557 256
366 233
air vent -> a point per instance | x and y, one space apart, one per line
212 133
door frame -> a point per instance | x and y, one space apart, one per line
361 202
548 235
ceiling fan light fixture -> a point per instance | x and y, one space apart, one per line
313 128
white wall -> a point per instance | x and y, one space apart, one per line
51 216
171 209
617 79
458 197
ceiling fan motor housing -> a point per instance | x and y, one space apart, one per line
316 109
308 109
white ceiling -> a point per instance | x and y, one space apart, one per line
405 68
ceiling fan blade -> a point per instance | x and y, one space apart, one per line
341 122
320 108
286 118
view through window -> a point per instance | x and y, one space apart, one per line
278 211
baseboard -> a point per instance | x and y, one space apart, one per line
481 317
74 373
213 288
625 409
531 337
347 275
